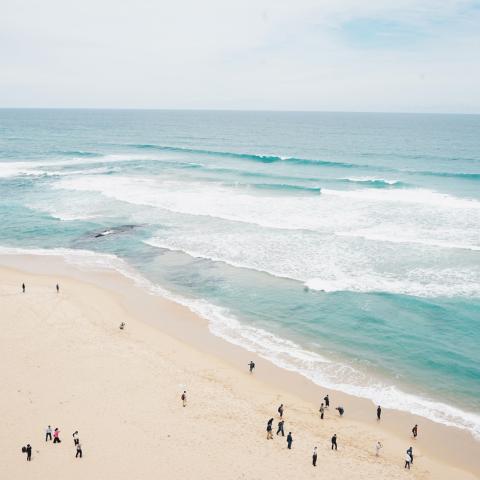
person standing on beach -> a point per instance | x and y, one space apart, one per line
415 431
56 437
327 401
23 287
334 442
314 457
251 366
289 440
79 451
322 411
410 452
378 447
28 450
280 428
58 288
280 411
75 437
269 429
184 398
48 433
379 412
407 461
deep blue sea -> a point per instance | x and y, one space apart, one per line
345 246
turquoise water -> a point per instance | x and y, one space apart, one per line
342 246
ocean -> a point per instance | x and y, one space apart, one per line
343 246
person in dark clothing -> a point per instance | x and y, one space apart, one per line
29 452
280 410
76 440
251 366
269 429
408 460
410 452
341 411
289 440
415 431
280 428
327 401
23 287
379 412
322 411
334 442
58 288
314 457
79 451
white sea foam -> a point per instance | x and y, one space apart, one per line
282 352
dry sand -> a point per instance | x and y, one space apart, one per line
66 363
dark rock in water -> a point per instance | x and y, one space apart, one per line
111 231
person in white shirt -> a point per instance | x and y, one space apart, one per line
48 433
408 460
378 446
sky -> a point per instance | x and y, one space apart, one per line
327 55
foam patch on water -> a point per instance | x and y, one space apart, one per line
282 352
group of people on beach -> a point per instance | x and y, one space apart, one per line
53 435
333 441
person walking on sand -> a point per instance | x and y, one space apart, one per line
280 411
327 401
289 440
410 452
58 288
28 450
378 447
184 398
341 410
48 433
408 460
56 436
415 431
269 429
334 442
379 412
322 411
23 287
75 437
314 457
79 451
280 428
251 366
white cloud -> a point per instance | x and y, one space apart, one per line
262 54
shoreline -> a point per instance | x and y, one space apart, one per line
439 445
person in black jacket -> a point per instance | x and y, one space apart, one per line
280 428
289 440
334 442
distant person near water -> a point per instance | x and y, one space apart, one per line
334 442
79 451
410 452
58 288
48 433
322 411
23 287
251 366
289 440
341 410
415 431
314 457
122 325
327 401
280 428
280 411
408 460
379 412
75 437
269 429
378 447
184 398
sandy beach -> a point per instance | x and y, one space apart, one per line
66 363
